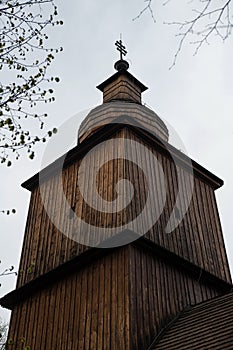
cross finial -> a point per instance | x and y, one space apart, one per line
121 48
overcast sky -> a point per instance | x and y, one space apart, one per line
195 97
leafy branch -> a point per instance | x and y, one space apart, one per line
24 63
3 334
9 271
8 212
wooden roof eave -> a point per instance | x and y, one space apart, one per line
104 133
117 75
19 295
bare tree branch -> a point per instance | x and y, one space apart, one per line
146 8
211 17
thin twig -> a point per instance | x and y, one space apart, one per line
146 8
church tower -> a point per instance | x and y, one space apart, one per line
122 234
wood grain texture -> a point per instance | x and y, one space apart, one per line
125 113
204 326
158 292
87 310
122 89
198 238
123 299
119 301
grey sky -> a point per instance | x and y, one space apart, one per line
195 97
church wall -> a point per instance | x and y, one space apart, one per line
158 292
88 310
119 301
198 238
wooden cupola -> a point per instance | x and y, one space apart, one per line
122 85
122 104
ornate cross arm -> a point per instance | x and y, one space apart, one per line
121 48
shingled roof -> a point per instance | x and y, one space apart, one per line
205 326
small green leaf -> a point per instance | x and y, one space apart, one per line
32 155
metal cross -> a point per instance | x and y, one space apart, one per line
121 48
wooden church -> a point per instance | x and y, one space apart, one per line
95 283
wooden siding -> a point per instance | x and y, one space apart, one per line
122 89
158 291
120 301
87 310
198 238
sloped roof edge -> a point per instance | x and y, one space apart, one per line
209 319
104 133
118 74
14 297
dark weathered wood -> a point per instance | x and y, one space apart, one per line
116 301
123 89
108 131
167 298
197 239
122 299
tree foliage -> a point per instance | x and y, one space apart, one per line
208 18
24 62
9 271
3 334
4 325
